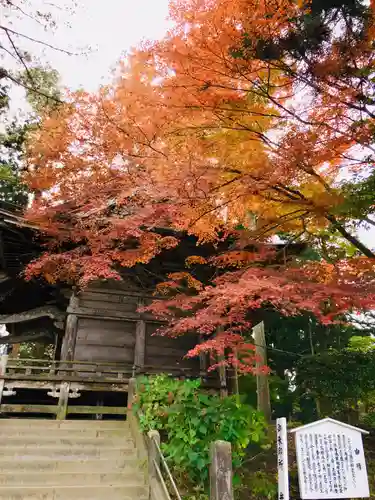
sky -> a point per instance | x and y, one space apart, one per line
108 32
100 32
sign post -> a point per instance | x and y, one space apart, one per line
263 390
331 461
282 459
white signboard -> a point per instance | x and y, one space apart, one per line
282 459
331 462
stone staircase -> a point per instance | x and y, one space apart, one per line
69 460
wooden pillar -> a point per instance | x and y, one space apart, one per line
203 361
3 367
221 481
153 455
15 351
132 389
140 341
223 377
67 354
140 344
15 348
222 369
235 381
62 408
70 337
57 347
263 391
99 416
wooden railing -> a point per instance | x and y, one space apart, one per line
39 369
63 381
159 467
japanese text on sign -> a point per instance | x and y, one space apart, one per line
331 464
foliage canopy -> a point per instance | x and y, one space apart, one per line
245 115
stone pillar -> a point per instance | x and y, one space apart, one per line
221 481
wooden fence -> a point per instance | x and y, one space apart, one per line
64 381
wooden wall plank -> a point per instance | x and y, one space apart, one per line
172 343
105 327
105 340
169 362
109 306
104 353
99 334
98 325
110 329
116 286
108 297
106 333
111 342
106 314
166 351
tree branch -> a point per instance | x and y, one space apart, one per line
17 33
349 237
20 58
31 89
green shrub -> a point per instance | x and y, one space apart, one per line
190 420
341 380
263 485
368 419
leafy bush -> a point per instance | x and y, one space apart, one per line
262 484
368 419
190 420
342 380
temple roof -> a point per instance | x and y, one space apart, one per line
27 305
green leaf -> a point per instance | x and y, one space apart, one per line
203 429
196 419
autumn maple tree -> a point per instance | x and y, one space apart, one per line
250 118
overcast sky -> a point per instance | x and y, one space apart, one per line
101 31
109 28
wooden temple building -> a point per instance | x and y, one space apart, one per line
98 337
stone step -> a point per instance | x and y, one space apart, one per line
67 464
63 432
89 492
64 452
57 424
69 460
44 479
33 440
